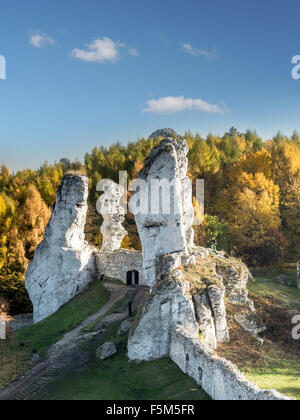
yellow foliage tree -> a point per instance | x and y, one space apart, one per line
33 217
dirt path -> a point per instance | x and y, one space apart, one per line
45 371
117 293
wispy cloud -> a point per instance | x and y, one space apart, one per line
173 104
133 51
39 39
101 50
189 49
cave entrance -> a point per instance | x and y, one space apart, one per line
133 278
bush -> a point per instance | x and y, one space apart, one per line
12 290
213 231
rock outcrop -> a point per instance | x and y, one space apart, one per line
113 214
192 288
192 294
64 262
165 223
189 285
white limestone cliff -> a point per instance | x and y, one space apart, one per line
64 262
165 223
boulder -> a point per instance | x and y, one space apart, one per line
35 358
125 327
285 280
64 262
106 350
250 322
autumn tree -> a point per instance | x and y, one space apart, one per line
290 214
33 217
250 206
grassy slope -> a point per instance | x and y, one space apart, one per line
280 368
277 363
114 378
118 379
14 360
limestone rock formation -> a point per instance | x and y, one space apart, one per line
63 264
191 287
113 215
164 133
165 222
193 295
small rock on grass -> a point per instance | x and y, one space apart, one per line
285 280
124 327
106 350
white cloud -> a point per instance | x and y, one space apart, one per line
102 49
133 51
39 39
189 49
172 104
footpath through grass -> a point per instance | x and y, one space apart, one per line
15 360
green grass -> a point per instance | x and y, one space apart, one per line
118 379
120 306
266 286
47 332
279 368
14 360
286 381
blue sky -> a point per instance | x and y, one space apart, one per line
82 73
